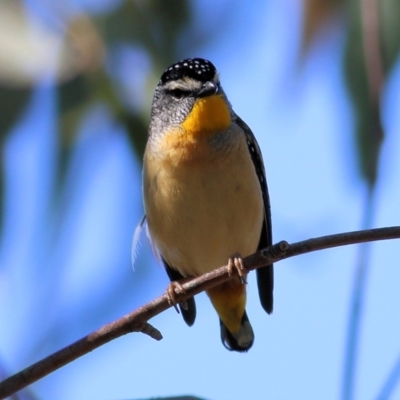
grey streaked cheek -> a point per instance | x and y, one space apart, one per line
167 111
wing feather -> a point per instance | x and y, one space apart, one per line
265 275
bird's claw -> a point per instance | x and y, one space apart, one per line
173 289
237 262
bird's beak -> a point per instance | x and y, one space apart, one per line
208 89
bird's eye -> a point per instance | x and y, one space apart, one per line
177 93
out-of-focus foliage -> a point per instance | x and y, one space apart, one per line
318 14
85 57
364 63
147 25
369 132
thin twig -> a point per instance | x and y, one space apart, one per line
136 321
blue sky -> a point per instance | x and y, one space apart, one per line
77 253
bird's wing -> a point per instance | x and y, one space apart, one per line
265 275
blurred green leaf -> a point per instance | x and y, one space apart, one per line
390 31
369 133
73 94
137 132
12 103
155 24
73 102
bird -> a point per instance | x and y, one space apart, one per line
205 194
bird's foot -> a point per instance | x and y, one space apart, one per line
236 261
173 289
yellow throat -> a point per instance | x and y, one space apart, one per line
209 115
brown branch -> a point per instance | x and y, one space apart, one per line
136 321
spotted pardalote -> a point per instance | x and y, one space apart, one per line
205 192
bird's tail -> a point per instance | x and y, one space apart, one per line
242 340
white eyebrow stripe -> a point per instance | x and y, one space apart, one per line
186 84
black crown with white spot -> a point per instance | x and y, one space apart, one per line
195 68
